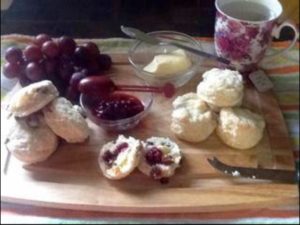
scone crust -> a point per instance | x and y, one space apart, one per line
240 128
192 120
125 162
66 121
32 98
30 143
221 88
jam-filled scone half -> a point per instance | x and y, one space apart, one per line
117 159
160 158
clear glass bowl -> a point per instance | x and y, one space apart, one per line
141 54
146 99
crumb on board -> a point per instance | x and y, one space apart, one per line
235 173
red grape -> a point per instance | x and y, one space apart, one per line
66 45
64 59
50 66
41 39
33 53
61 61
104 61
24 81
50 49
84 70
80 69
77 68
13 55
35 72
93 67
12 70
76 78
92 48
81 55
65 71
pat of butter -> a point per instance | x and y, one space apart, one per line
169 64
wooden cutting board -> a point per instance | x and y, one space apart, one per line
71 178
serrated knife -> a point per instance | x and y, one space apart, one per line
284 176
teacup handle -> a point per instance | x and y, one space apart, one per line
276 33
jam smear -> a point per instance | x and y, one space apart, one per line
121 147
164 180
116 106
109 157
155 172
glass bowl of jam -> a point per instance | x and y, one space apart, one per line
120 110
164 63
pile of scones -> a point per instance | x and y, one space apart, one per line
35 120
216 106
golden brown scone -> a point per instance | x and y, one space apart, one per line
240 128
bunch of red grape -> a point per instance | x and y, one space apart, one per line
62 61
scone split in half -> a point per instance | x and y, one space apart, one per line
117 159
160 158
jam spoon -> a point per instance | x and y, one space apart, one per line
103 85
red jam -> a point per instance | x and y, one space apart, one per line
109 157
115 107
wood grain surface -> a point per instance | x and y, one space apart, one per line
71 178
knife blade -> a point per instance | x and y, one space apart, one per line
285 176
138 34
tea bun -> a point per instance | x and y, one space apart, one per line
160 158
29 139
192 120
240 128
32 98
66 121
117 159
221 88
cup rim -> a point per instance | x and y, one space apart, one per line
248 21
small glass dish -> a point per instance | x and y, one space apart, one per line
146 98
141 54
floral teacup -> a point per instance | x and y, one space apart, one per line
244 31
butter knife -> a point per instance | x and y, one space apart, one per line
138 34
284 176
